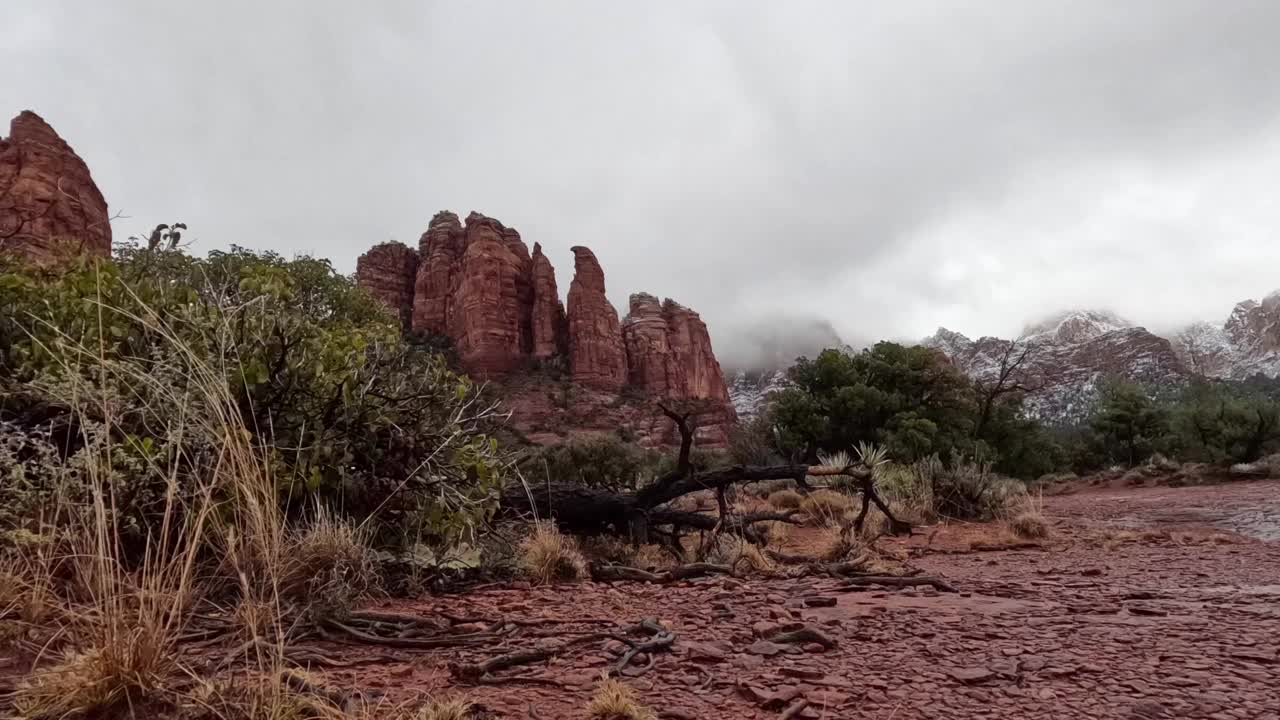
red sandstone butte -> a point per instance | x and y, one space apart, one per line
597 357
49 204
477 284
388 271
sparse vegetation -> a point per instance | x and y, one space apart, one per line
826 507
615 700
1030 525
786 499
547 555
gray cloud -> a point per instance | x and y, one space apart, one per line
887 167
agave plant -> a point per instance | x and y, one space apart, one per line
871 455
835 461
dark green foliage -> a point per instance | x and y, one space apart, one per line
602 462
902 397
344 409
1127 423
1224 423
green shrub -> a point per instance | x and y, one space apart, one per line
602 461
347 412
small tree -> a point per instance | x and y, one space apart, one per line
1127 422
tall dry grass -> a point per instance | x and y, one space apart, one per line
115 622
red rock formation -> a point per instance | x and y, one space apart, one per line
700 376
650 360
439 255
550 334
478 284
597 357
49 204
489 312
388 271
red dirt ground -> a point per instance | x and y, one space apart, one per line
1104 621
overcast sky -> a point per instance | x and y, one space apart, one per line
890 167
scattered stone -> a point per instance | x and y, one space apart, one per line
970 676
766 648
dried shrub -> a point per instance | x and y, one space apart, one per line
785 499
738 554
1030 525
826 507
615 701
547 555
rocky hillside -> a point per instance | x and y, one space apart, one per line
49 205
1247 344
1070 352
1066 358
566 369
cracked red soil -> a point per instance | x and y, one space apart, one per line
1136 607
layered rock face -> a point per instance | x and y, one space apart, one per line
548 324
1070 355
477 283
490 308
597 356
1247 344
388 271
49 205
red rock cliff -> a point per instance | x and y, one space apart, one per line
597 357
490 310
439 255
550 332
388 272
49 204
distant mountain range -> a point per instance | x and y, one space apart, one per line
1071 352
1068 355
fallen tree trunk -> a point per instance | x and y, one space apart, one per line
587 510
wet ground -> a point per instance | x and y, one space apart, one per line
1145 603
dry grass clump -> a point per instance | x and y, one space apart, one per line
826 507
615 701
547 555
328 564
608 548
652 558
785 499
738 554
95 679
836 546
1029 525
451 709
775 532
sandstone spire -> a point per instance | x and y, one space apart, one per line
49 204
548 321
596 355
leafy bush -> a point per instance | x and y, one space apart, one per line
602 462
346 410
913 403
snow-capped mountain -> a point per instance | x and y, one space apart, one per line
1067 356
750 391
1071 352
1247 344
